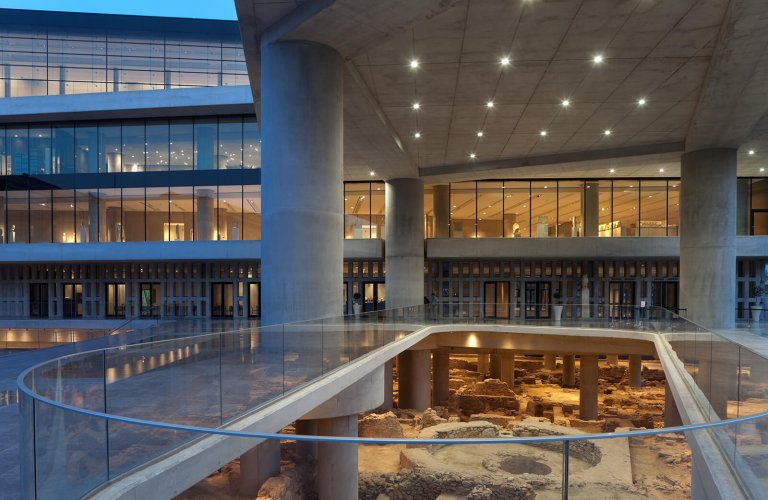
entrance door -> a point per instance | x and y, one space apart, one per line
73 300
665 294
621 299
150 300
537 300
497 299
254 300
374 297
116 300
222 300
38 300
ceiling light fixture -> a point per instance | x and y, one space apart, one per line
416 105
417 135
505 61
472 155
566 103
613 170
661 170
598 59
751 152
489 104
480 133
762 169
607 132
641 101
543 133
372 173
414 63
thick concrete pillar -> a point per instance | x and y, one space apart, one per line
588 386
413 369
671 413
591 208
404 251
635 370
569 370
508 368
550 361
302 181
483 363
441 208
494 366
306 450
257 465
612 359
388 385
440 377
708 237
337 476
206 215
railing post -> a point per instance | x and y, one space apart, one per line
566 450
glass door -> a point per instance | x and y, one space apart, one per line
537 299
73 300
38 300
222 297
150 300
621 299
497 299
374 297
664 294
116 300
254 300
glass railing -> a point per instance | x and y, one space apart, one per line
91 417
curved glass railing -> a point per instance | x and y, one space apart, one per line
91 417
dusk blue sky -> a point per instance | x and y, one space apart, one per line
203 9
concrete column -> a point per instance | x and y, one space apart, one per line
708 237
588 386
337 476
206 215
635 370
257 465
671 413
413 369
591 208
302 181
550 361
612 359
404 233
306 450
569 370
508 368
441 208
495 365
440 377
388 385
483 363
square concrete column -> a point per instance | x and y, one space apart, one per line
550 361
440 377
635 370
337 474
508 368
413 370
569 370
495 365
588 387
257 465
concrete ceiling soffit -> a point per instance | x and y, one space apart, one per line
733 99
531 162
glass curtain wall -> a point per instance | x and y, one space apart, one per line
364 210
131 146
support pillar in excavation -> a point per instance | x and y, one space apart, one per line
337 475
508 368
413 369
440 377
588 386
635 370
569 370
257 465
550 361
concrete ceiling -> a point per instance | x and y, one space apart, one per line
697 63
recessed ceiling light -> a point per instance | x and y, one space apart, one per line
751 151
416 105
543 133
489 104
613 170
566 103
414 63
472 155
641 101
417 135
504 61
480 133
372 173
597 59
762 169
607 132
661 170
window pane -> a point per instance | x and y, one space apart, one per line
64 216
674 208
653 208
109 148
63 161
180 228
230 212
157 213
86 216
40 151
569 206
18 217
252 213
463 210
605 202
86 148
133 146
517 209
157 145
40 216
251 143
357 210
230 143
490 209
4 170
377 209
205 144
18 150
181 145
133 216
544 208
625 212
206 200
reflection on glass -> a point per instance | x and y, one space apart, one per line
157 203
181 145
230 143
230 220
63 216
653 208
180 227
463 210
18 217
40 150
251 143
205 145
63 149
517 209
490 203
378 209
40 216
86 148
130 224
569 209
251 212
18 153
357 211
626 214
110 159
133 146
544 209
158 142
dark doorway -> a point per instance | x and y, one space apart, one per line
621 299
73 300
254 300
664 295
116 300
150 300
497 299
38 300
374 297
222 300
537 295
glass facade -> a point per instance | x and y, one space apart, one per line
130 146
43 59
131 214
364 210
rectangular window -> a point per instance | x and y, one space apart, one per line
251 143
230 213
206 203
133 146
181 145
490 196
570 221
626 210
18 150
357 211
18 216
251 213
653 208
157 216
544 209
517 209
110 159
63 149
86 148
205 144
463 210
158 142
230 143
40 151
40 216
64 216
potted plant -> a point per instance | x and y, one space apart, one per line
557 307
357 306
760 291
